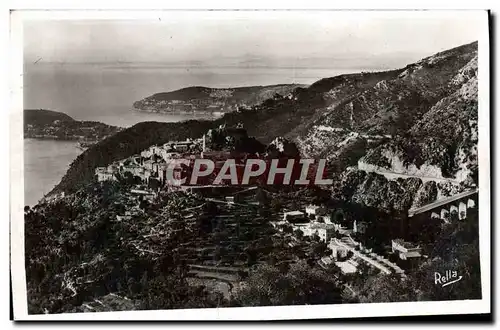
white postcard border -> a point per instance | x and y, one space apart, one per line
242 313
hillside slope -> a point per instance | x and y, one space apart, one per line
199 98
418 121
53 125
423 119
124 144
419 132
43 117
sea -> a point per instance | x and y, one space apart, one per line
106 93
45 163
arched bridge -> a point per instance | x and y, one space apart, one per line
440 209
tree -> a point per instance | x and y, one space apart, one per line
298 233
128 178
261 197
154 184
386 288
298 285
338 216
251 256
320 249
276 205
173 291
143 204
287 229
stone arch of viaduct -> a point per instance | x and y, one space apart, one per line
459 203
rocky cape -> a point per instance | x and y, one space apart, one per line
199 98
48 124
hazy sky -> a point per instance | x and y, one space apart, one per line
278 39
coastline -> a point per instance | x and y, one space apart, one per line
53 138
181 112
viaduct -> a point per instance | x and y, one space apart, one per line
459 203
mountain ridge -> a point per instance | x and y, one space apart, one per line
43 116
200 98
54 125
353 117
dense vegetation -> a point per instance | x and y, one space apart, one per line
43 117
78 250
275 117
429 110
197 92
456 248
78 244
204 98
298 284
46 124
370 99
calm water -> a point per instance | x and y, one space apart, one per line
106 93
45 163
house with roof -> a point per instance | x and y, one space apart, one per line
319 213
104 174
312 210
182 146
146 194
342 230
295 216
339 251
323 230
326 218
359 226
406 250
347 267
151 165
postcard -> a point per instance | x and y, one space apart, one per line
249 165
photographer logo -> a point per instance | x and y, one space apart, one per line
449 277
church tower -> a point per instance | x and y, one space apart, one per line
204 146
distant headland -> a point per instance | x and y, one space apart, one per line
215 100
54 125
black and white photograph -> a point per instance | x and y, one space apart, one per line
190 165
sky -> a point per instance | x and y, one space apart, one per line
250 38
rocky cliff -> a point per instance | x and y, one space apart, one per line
416 129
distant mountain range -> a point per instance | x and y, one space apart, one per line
417 123
339 61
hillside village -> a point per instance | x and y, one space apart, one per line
147 173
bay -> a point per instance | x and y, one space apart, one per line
106 93
45 163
